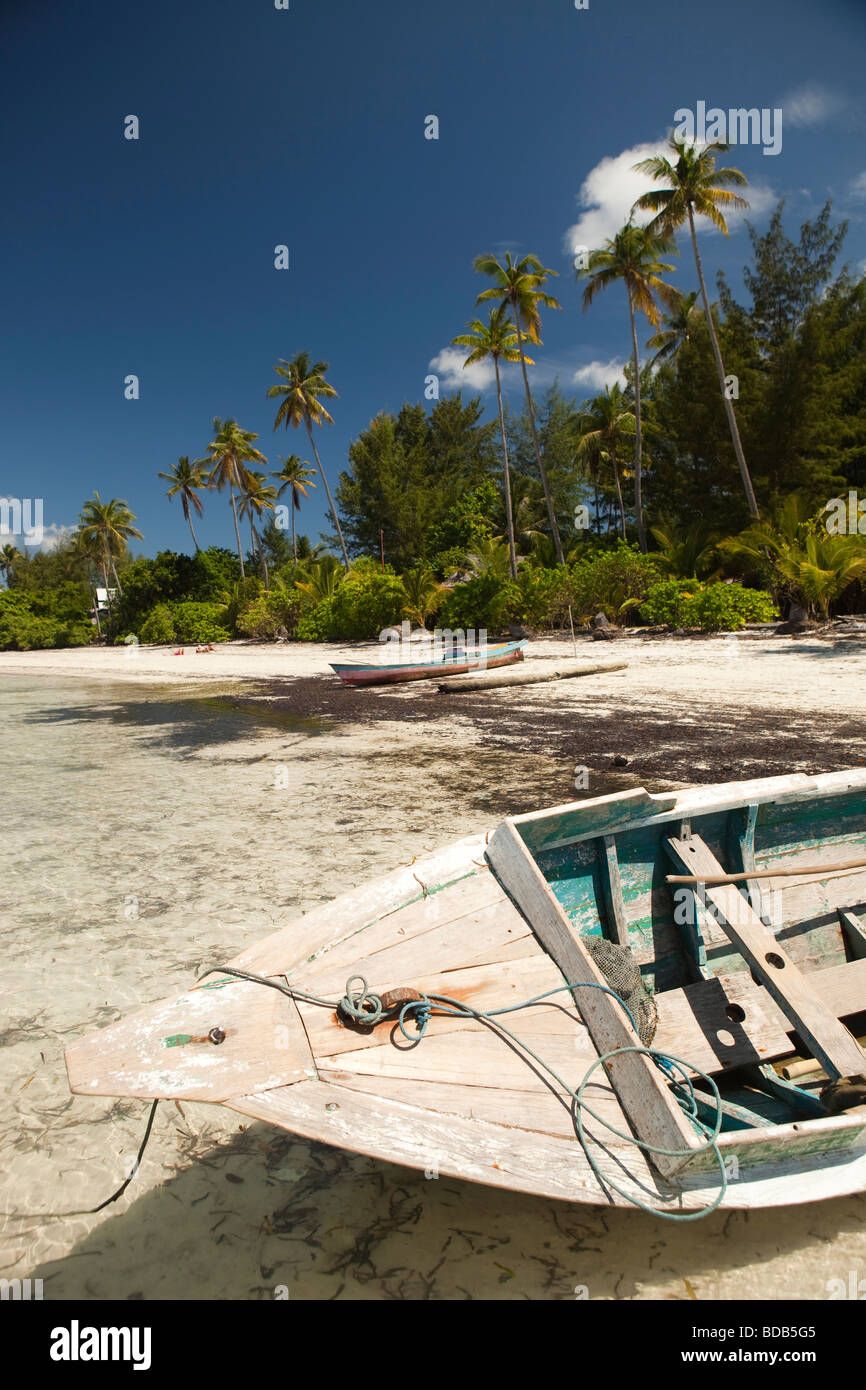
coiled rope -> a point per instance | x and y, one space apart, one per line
359 1005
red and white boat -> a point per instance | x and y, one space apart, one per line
445 663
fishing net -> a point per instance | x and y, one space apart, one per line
622 974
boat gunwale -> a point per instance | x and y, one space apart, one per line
692 802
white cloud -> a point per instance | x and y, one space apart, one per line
858 186
448 365
610 189
596 375
607 194
809 105
54 535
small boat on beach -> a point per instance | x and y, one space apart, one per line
644 999
438 664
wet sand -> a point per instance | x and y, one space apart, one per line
159 818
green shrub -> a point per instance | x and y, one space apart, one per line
533 598
710 607
612 581
366 601
200 622
316 622
664 602
158 626
263 617
42 618
185 622
173 578
481 602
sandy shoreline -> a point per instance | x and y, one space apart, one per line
804 673
166 815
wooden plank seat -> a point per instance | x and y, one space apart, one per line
818 1025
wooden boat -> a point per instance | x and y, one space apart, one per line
455 663
502 918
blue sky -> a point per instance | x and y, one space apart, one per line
305 127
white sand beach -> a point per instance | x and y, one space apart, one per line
734 668
154 825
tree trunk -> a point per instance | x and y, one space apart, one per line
92 589
545 482
334 517
613 465
638 494
237 529
720 368
187 510
509 516
104 567
294 543
116 576
262 557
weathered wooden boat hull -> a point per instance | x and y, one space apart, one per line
456 665
464 1103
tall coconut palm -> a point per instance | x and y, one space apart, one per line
633 256
296 476
227 456
109 526
186 478
301 396
10 555
520 284
496 340
677 328
604 426
696 186
256 497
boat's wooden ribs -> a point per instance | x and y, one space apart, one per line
832 1044
608 864
855 933
645 1096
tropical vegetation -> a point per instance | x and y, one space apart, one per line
665 499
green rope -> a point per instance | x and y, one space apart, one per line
362 1006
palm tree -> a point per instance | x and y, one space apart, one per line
603 425
305 388
633 256
520 285
695 185
496 339
684 552
9 557
489 555
185 478
806 562
322 578
678 327
257 496
297 476
424 596
228 454
108 525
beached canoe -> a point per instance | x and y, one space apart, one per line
453 663
579 893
